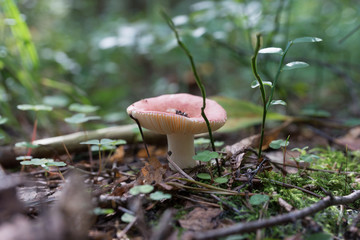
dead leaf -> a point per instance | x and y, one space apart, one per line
118 156
152 172
201 219
351 140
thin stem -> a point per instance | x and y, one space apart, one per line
197 78
262 89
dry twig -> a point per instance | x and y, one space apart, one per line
277 220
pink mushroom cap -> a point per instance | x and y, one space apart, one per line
177 113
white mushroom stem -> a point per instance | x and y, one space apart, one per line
182 150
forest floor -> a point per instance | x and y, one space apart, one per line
307 190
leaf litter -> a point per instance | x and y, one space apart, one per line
133 193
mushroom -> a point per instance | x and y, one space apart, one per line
179 117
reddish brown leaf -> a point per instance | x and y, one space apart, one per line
201 219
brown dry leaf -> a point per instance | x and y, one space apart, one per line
143 154
118 156
152 172
351 140
201 219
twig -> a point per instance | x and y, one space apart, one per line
279 219
127 228
179 169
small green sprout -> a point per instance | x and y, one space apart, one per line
141 189
304 155
3 120
26 145
128 218
158 195
206 156
204 176
258 199
44 163
76 107
103 211
80 118
280 143
36 108
56 100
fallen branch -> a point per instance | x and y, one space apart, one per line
277 220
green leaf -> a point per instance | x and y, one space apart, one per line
55 164
258 199
56 100
205 156
158 195
307 158
28 107
3 120
278 102
201 141
271 50
295 65
255 84
96 148
126 217
221 180
26 145
21 36
43 162
22 158
204 176
306 40
80 118
276 144
141 189
103 211
76 107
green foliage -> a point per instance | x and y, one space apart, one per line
126 217
204 176
141 189
206 156
81 108
280 143
258 199
36 108
26 145
103 211
158 195
44 163
79 118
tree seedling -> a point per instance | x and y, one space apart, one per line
45 163
280 143
206 156
81 118
35 108
268 101
304 155
101 145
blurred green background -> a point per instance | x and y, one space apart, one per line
112 53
